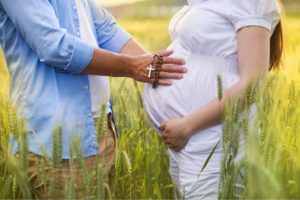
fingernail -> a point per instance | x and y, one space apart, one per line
185 70
180 76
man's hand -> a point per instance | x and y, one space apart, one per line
171 69
175 133
106 63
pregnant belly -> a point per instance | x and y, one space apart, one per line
198 88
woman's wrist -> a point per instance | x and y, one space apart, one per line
189 126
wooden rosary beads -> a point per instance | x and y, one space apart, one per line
157 63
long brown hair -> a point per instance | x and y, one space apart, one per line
276 47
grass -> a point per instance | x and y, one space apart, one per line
4 78
270 169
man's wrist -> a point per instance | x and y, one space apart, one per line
128 63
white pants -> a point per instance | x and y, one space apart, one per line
186 177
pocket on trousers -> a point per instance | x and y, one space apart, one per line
205 147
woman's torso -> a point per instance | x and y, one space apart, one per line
204 33
207 41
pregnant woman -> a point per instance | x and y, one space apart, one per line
239 40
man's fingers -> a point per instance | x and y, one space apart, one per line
175 61
173 69
165 82
167 72
165 75
161 82
165 53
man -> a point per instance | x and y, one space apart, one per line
58 54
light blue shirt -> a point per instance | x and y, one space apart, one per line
45 58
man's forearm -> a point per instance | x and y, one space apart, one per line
133 62
134 48
107 63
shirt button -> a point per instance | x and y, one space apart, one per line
86 87
90 115
78 34
74 7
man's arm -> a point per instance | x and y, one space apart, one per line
112 37
106 63
131 48
37 22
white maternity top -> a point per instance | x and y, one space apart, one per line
204 34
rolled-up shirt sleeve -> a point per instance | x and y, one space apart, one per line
37 23
110 35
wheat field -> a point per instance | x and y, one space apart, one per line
271 165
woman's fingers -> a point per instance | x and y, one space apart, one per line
173 147
163 127
164 137
177 149
167 142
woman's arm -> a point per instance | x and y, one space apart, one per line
253 56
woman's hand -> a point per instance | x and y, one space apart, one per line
171 69
175 133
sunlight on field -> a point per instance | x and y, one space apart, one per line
152 33
292 49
